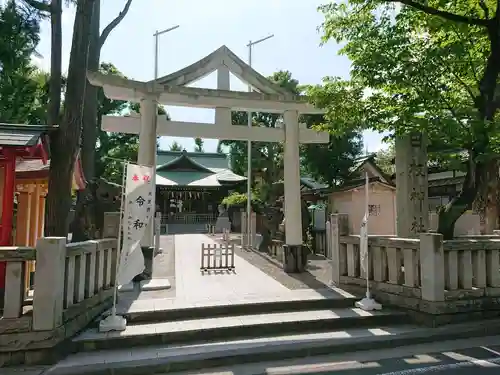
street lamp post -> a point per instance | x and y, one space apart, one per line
249 151
156 35
157 48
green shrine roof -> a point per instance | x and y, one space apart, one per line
182 168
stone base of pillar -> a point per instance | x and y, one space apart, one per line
294 258
147 274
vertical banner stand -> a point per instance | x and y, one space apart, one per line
367 303
116 322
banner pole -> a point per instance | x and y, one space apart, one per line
367 210
367 303
114 322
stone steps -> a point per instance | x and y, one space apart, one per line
196 356
202 334
238 326
168 310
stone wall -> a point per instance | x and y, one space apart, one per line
73 285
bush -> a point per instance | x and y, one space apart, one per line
235 200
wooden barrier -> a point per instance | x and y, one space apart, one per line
217 257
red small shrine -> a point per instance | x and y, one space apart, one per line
17 142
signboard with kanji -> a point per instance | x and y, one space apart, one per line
137 211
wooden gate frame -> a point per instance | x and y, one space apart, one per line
210 253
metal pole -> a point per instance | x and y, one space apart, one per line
156 53
249 151
249 162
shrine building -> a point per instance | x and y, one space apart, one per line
191 185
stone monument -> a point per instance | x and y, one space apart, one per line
222 222
412 189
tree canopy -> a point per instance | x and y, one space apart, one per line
430 68
328 163
23 87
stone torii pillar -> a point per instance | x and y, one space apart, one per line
147 156
295 258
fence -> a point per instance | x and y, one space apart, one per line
424 274
73 285
217 257
189 218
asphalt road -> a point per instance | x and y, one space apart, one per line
459 357
477 360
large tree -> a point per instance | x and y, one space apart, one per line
431 68
65 142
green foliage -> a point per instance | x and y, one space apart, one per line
330 163
238 199
326 163
175 146
23 88
385 160
198 145
414 72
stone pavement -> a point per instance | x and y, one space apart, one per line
180 262
191 284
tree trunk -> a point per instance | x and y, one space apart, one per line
54 109
65 141
87 211
449 214
84 220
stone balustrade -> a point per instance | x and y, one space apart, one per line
276 250
73 285
427 275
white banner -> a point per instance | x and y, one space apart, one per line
363 242
137 210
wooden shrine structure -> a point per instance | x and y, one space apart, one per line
24 175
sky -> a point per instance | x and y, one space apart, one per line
204 26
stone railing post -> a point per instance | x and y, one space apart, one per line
49 283
244 229
253 227
338 226
432 267
111 225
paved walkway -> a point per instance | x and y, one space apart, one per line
192 284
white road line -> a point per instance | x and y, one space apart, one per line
466 358
490 350
432 369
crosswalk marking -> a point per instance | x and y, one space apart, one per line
466 358
420 359
379 332
490 350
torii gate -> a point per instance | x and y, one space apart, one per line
267 97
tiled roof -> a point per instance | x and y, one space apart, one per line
23 165
209 169
21 135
